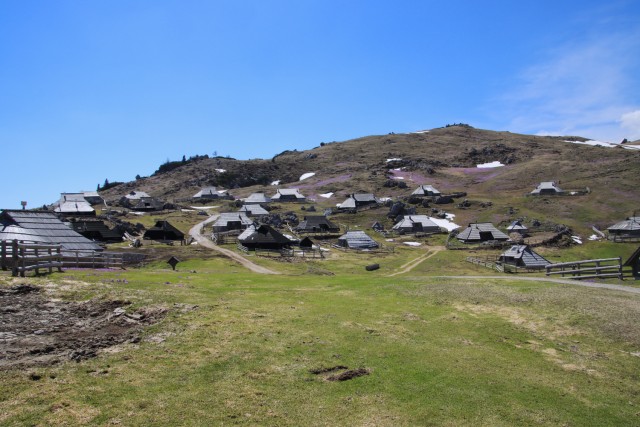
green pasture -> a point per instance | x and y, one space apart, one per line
238 348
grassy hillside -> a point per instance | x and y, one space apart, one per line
444 157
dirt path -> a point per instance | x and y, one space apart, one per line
203 241
405 268
512 277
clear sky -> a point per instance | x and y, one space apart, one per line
110 89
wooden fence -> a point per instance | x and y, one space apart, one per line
588 269
20 257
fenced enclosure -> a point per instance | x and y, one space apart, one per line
588 269
21 256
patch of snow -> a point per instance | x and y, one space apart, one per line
421 131
204 207
412 243
137 213
221 170
384 199
338 205
398 177
393 160
444 223
326 195
276 182
495 164
306 175
594 237
577 239
389 240
449 215
604 144
398 169
187 210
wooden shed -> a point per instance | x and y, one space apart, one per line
264 237
43 227
481 232
317 224
163 230
357 240
416 224
288 195
625 230
634 263
523 256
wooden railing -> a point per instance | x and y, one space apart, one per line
20 257
23 257
588 269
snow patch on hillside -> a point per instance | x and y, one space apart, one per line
444 223
326 195
306 175
595 143
221 170
276 182
495 164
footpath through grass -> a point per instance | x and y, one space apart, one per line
437 352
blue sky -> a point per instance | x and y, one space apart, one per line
110 89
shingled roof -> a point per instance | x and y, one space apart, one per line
357 240
163 230
416 223
426 190
74 204
481 232
264 237
317 224
523 256
42 227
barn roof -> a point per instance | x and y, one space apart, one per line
210 192
227 217
42 227
96 228
426 190
257 198
135 195
408 221
358 240
630 224
73 203
315 222
287 192
163 229
516 226
547 186
528 256
253 210
473 233
265 234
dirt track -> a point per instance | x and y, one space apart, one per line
405 268
203 241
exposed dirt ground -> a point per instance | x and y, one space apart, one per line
35 330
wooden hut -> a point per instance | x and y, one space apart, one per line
252 211
256 198
356 201
74 204
625 230
288 195
357 240
416 224
481 232
228 221
163 230
211 193
548 188
634 263
317 224
96 230
523 256
426 191
264 237
45 228
517 227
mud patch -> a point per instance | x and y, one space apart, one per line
340 373
37 331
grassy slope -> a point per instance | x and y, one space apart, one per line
439 351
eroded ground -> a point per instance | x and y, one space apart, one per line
37 330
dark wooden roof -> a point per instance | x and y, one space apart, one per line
480 232
42 227
266 236
163 230
317 223
96 230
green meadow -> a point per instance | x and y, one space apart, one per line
238 348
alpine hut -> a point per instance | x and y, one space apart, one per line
44 228
317 224
416 224
357 240
358 200
96 230
211 193
625 230
481 232
426 191
256 198
229 221
163 231
288 195
74 204
548 188
264 237
517 227
634 263
523 256
252 211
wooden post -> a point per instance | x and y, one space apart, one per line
35 254
14 257
59 253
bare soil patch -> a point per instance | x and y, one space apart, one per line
37 331
340 373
